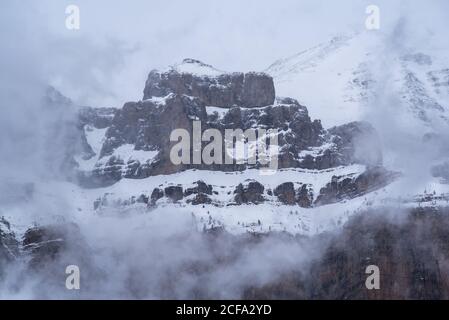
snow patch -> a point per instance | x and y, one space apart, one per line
197 68
127 153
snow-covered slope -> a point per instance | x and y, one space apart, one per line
196 67
337 81
120 202
340 80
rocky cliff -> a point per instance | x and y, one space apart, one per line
134 142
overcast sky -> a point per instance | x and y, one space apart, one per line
119 42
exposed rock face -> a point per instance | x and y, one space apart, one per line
200 198
305 196
137 140
297 193
286 193
156 195
96 117
224 90
49 249
358 142
355 142
412 258
147 126
201 187
45 244
348 187
196 195
174 193
252 192
9 246
202 191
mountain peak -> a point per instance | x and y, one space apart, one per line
196 67
194 61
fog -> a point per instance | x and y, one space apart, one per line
105 63
405 146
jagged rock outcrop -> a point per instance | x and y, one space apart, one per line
358 142
304 196
200 187
156 195
45 244
96 117
287 194
224 90
66 127
137 142
250 192
48 250
355 142
9 246
300 194
348 187
201 192
200 198
197 194
411 256
174 193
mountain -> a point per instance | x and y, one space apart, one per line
125 158
324 174
345 78
130 150
123 196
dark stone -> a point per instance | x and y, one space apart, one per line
258 90
411 256
45 244
99 118
225 90
9 246
201 198
286 193
201 187
147 126
174 193
156 195
358 142
305 196
250 193
349 187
